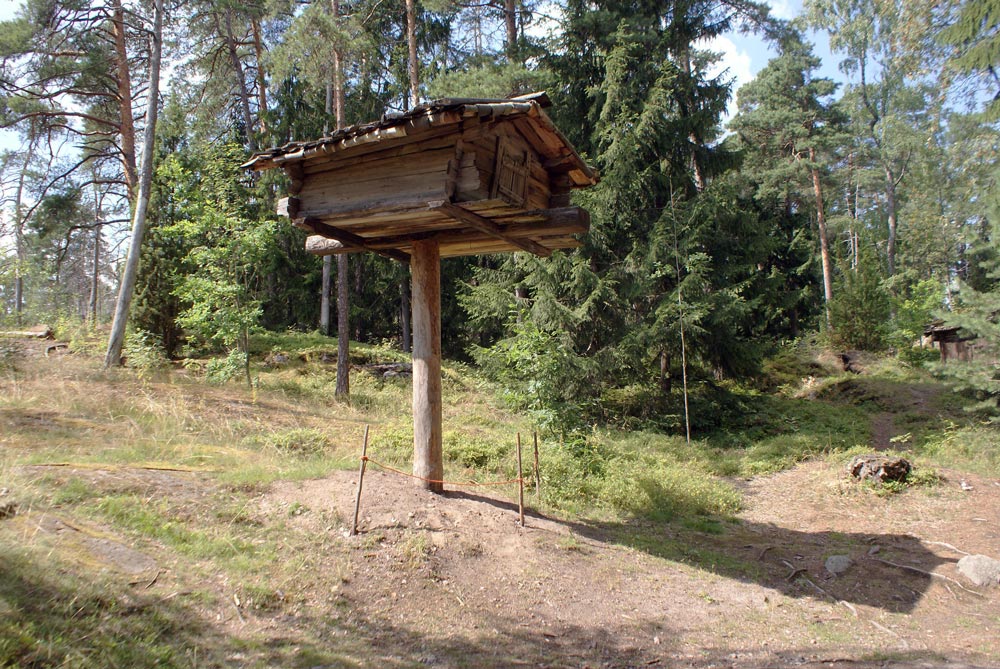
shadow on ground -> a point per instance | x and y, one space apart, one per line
790 561
50 617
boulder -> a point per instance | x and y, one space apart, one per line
838 564
880 468
982 570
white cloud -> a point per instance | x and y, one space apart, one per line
8 8
733 61
785 9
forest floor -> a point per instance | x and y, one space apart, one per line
147 522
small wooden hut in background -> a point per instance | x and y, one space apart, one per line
950 341
450 178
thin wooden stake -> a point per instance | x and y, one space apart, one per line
361 482
538 475
520 484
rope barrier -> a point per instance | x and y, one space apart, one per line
365 458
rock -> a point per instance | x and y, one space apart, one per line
982 570
880 468
849 362
8 509
276 359
838 564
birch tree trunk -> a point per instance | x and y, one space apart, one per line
113 358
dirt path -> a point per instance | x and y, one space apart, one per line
915 398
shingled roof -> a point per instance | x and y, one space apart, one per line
547 139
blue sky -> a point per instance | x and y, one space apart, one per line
746 55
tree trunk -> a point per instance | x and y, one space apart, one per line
411 42
890 205
520 301
358 272
241 80
666 381
338 74
824 243
343 389
20 252
123 79
335 107
117 338
404 316
258 47
95 280
343 330
324 300
510 23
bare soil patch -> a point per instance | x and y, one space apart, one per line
456 576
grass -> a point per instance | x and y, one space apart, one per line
62 618
650 490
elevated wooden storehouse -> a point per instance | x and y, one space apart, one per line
477 176
452 177
951 341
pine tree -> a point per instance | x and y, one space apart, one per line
789 125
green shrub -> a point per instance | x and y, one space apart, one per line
10 354
860 310
221 370
143 353
476 452
297 441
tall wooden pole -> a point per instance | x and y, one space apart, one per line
425 269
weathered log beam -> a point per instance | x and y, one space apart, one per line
555 223
491 228
349 238
34 333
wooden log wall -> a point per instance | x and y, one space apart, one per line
397 193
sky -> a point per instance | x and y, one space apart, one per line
8 139
746 55
742 55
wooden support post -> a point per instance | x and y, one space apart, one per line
520 484
361 482
538 475
425 269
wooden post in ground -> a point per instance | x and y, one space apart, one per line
425 270
520 484
361 482
538 475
